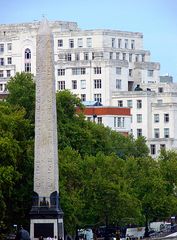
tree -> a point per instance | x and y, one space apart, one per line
92 190
8 177
150 188
71 185
16 146
106 192
96 177
90 138
21 89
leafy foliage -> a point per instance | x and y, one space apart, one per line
16 140
104 176
22 93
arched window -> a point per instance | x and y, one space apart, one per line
27 53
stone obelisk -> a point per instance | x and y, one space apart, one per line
46 214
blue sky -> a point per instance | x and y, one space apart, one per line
156 19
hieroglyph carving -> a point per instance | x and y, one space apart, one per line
46 144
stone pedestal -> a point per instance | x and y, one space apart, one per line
46 217
51 225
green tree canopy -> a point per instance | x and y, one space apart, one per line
103 175
150 187
16 147
22 93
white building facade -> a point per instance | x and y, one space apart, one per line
154 113
118 119
99 65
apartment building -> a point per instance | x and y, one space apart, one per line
91 63
118 119
99 65
154 112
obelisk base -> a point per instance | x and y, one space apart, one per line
48 225
46 217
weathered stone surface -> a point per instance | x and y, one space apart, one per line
46 146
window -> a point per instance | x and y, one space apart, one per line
97 83
160 89
1 48
80 42
139 132
156 118
9 47
97 97
83 84
166 117
132 44
1 73
3 87
86 56
74 84
139 118
8 73
27 53
1 61
71 43
97 70
126 43
113 42
60 42
120 103
83 97
77 56
93 55
153 149
124 56
156 133
119 122
136 58
89 119
89 42
139 104
117 55
143 57
61 85
166 133
118 83
61 72
78 71
129 103
130 72
118 70
150 73
99 120
159 101
119 43
27 67
162 146
111 55
68 57
130 57
9 60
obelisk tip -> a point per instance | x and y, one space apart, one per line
44 27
